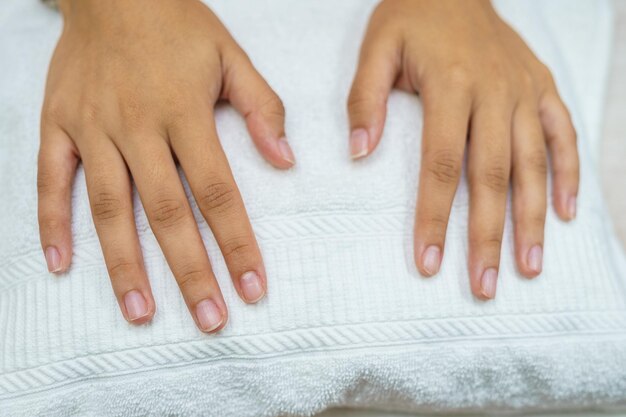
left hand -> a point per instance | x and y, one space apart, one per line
481 85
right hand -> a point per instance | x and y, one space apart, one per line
131 88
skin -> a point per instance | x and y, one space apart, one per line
131 91
484 93
115 102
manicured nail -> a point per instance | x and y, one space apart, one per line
136 306
251 287
53 259
535 258
571 207
285 151
358 143
431 260
488 283
209 315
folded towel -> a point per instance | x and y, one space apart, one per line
347 320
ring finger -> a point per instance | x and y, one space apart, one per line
175 228
110 197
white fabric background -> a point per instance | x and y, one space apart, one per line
347 321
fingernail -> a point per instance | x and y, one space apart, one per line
285 151
535 258
136 306
251 287
488 283
571 207
209 315
358 143
53 259
431 260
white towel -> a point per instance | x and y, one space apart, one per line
347 320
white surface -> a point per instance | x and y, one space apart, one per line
347 321
611 147
613 166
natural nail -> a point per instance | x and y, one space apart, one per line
431 260
209 315
136 306
251 287
488 283
53 259
285 150
359 140
571 207
535 258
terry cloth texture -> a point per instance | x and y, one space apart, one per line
347 320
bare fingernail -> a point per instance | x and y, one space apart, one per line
488 283
358 143
209 315
571 207
535 258
136 305
53 259
432 260
251 287
285 150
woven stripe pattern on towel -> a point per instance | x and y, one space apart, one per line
347 320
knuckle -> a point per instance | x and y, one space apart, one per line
122 268
444 166
190 276
107 206
272 107
53 111
500 86
437 221
527 81
180 112
217 198
132 115
47 182
537 220
491 242
495 178
458 76
530 223
166 212
544 75
537 162
52 223
361 101
237 247
90 113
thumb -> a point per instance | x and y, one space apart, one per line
378 67
263 110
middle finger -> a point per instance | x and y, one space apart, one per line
488 174
175 228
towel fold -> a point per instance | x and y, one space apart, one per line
347 321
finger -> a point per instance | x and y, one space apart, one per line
206 168
529 189
561 138
488 172
263 110
58 159
378 67
175 228
446 118
110 197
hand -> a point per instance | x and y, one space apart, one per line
477 80
132 88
